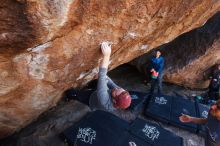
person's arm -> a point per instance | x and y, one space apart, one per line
111 84
102 89
106 50
187 119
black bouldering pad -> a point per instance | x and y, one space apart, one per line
159 108
202 112
154 134
185 106
99 128
137 102
128 137
168 109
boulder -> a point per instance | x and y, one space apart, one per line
49 46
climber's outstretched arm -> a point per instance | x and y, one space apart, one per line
102 88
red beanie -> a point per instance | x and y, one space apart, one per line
123 101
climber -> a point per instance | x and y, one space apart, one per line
214 86
212 124
156 69
108 95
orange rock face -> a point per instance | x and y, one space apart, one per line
48 46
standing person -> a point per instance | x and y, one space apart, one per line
108 95
157 66
214 85
212 124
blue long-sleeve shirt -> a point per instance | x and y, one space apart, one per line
157 64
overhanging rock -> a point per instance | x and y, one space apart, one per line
48 46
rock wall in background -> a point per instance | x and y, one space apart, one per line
48 46
191 57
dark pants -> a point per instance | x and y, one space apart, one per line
157 82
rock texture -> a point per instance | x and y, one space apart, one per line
191 57
48 46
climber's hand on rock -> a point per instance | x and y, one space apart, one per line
106 51
106 48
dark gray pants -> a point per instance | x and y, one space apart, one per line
157 82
